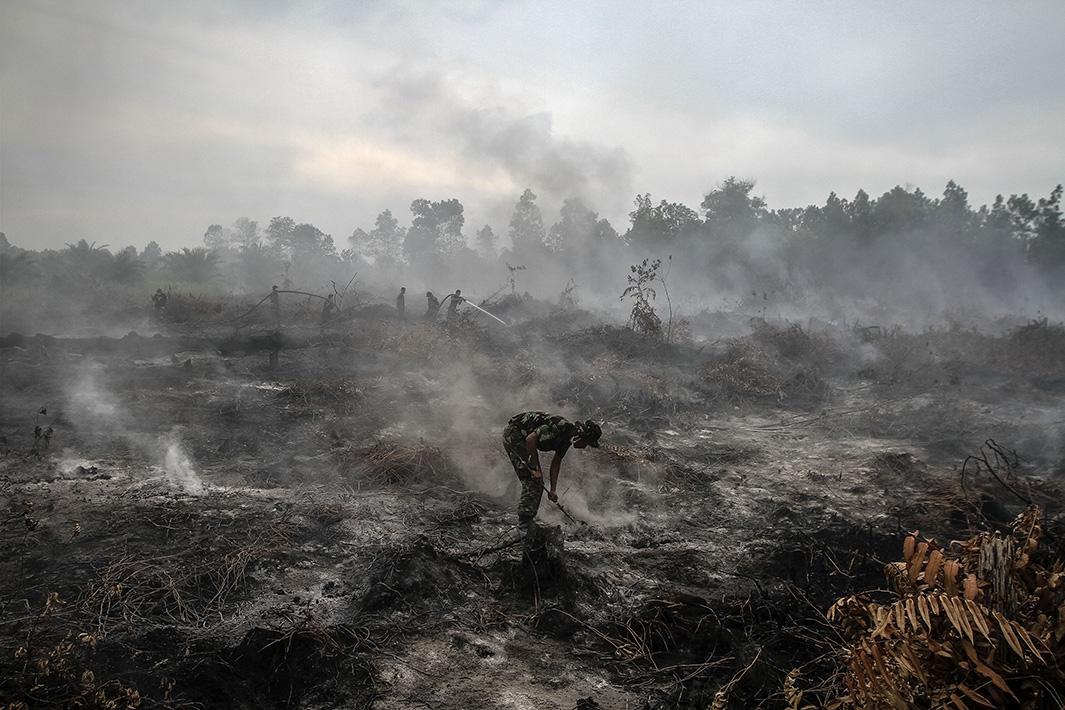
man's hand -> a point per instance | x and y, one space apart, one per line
536 474
552 496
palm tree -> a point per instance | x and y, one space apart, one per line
259 265
87 261
193 265
126 267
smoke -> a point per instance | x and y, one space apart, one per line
465 400
493 133
179 468
95 411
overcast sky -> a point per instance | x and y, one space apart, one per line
122 122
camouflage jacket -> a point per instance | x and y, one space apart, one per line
555 433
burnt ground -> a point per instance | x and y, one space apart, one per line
202 529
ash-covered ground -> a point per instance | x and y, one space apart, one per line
186 524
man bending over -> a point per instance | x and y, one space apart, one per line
529 433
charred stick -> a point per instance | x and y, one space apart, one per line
564 511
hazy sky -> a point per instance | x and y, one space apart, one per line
122 122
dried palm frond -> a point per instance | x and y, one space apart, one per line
978 625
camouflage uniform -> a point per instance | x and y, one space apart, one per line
555 434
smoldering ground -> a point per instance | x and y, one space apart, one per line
357 507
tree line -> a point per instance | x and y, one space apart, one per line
733 239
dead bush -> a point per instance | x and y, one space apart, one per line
396 464
178 589
790 342
342 395
60 671
981 623
745 373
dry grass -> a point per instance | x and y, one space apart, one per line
389 463
341 394
745 373
177 589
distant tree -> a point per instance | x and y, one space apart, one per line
835 215
245 232
383 244
151 254
1047 245
527 227
955 203
661 223
605 233
951 218
994 247
87 261
84 250
860 213
216 237
306 240
791 220
900 211
487 242
829 221
731 210
1023 215
193 265
359 241
435 230
575 228
300 243
16 266
126 268
279 232
259 266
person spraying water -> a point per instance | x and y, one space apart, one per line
452 308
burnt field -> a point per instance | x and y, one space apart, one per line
187 524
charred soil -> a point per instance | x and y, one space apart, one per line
186 524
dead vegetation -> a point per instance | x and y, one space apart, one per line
980 623
176 588
341 395
744 485
745 374
386 463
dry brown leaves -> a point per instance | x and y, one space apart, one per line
977 625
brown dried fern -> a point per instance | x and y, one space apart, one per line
979 625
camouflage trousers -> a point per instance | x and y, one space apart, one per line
531 490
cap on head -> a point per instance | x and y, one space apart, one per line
590 432
458 291
428 294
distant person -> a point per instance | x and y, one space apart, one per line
527 434
434 306
159 300
328 309
452 307
275 306
401 303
